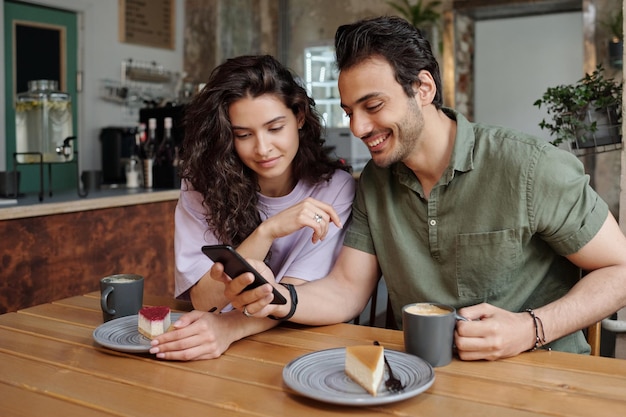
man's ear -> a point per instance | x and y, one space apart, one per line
425 87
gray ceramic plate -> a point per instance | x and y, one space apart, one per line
320 375
122 334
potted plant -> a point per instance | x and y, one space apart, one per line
423 16
587 113
418 14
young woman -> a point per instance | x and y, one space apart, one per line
255 176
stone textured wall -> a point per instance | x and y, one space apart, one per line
604 168
216 30
200 38
314 22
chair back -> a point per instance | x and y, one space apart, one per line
594 333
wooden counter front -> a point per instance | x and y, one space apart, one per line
57 250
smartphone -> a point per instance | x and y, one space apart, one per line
235 265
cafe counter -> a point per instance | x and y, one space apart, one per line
63 245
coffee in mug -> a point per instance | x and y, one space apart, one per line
121 295
429 331
426 309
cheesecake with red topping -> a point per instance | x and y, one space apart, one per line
154 321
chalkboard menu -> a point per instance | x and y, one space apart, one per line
147 22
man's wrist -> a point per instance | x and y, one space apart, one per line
281 310
292 296
538 331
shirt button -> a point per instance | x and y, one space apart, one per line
433 222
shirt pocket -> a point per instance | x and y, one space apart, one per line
485 263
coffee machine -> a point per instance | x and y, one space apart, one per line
118 145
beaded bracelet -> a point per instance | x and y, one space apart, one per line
294 302
540 340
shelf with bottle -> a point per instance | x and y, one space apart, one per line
133 70
134 94
141 83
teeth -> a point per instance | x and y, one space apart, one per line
376 142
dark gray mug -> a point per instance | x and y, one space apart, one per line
121 295
429 331
92 180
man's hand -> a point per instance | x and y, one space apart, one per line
493 333
256 301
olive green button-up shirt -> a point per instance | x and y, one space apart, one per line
494 228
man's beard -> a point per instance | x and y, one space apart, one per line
409 130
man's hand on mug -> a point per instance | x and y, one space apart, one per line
492 333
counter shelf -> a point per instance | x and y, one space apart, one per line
41 163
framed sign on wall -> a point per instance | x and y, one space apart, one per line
149 23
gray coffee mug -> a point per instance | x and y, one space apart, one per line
92 180
121 295
429 331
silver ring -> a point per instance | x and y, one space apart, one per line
245 312
318 218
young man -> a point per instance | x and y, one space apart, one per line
492 221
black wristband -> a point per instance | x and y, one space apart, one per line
294 303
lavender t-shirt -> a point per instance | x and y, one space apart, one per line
292 256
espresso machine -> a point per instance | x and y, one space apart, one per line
118 146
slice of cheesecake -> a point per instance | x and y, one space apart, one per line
154 321
365 366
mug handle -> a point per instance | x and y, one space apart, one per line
104 300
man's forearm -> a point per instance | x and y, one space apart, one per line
595 297
325 302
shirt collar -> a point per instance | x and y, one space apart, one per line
462 158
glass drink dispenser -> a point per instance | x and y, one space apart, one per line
43 120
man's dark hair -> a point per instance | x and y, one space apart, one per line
394 39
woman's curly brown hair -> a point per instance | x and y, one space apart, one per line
209 161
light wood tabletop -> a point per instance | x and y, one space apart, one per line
50 365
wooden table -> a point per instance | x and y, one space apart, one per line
50 365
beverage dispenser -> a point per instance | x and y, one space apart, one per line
43 122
